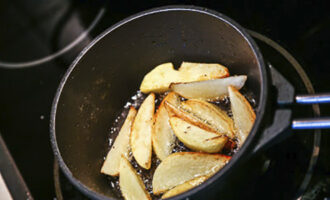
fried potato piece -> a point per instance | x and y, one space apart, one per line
162 136
202 71
185 187
196 138
243 113
131 185
209 89
141 132
159 79
189 117
212 115
120 147
184 166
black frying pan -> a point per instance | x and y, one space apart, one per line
110 69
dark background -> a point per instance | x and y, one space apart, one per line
33 29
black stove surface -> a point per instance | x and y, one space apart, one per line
39 40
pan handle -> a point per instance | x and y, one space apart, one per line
313 98
279 129
312 123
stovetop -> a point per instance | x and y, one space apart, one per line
39 40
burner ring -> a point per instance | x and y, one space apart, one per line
316 108
57 183
16 65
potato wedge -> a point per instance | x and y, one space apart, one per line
181 167
162 135
120 147
243 113
202 71
209 89
141 132
184 187
173 98
189 117
131 185
196 138
212 115
159 79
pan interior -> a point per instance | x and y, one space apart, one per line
113 68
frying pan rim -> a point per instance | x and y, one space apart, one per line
248 145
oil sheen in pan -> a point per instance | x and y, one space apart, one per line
147 175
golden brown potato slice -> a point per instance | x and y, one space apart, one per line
131 185
120 147
185 187
209 89
189 117
141 132
162 136
211 114
243 113
181 167
196 138
202 71
159 79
